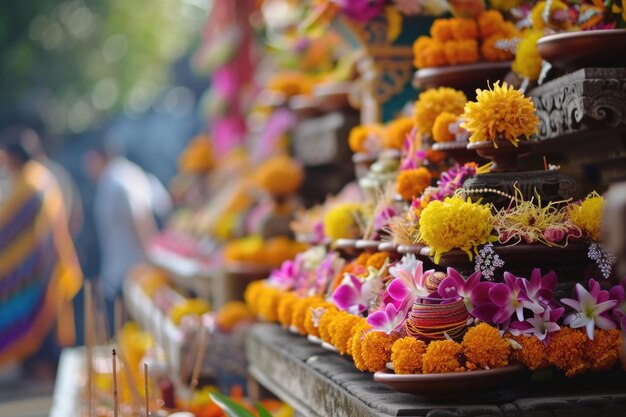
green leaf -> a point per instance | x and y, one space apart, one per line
262 411
231 408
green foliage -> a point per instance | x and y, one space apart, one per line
76 62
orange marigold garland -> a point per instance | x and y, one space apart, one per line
491 23
441 30
441 127
566 351
285 308
376 349
325 321
603 352
463 29
252 293
396 132
313 316
357 345
342 331
299 313
406 355
412 182
484 348
355 329
268 304
464 51
377 260
443 356
492 52
533 354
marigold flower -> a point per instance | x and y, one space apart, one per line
463 28
527 63
341 221
268 304
299 313
484 348
435 55
436 157
285 308
490 23
566 351
342 330
420 50
377 260
431 103
357 345
588 215
362 258
533 354
291 83
412 182
441 30
376 349
197 156
406 355
313 314
442 356
505 5
251 294
455 223
280 175
366 138
325 321
441 128
603 352
461 52
500 112
396 132
492 53
231 314
356 329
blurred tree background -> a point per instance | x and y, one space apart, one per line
72 65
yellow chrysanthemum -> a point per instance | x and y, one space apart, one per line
484 348
376 349
527 63
441 128
396 132
431 103
455 223
502 112
366 138
442 356
533 354
537 16
588 215
341 221
412 182
406 355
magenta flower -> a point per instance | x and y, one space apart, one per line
510 298
618 293
539 289
382 217
410 279
387 319
361 10
287 276
589 309
472 291
540 325
354 295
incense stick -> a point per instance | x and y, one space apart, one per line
115 403
145 377
199 359
88 309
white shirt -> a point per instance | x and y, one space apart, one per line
125 201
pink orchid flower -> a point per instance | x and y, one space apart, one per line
472 291
618 293
287 276
589 310
540 325
387 319
510 298
354 295
540 289
410 280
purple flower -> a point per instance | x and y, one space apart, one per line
387 319
381 218
472 291
509 298
354 295
410 279
540 325
539 290
362 10
590 309
325 272
287 276
618 293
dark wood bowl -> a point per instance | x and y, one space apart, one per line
466 77
586 49
457 151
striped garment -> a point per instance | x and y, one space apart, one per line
39 271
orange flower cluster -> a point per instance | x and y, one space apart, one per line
376 349
271 252
366 138
484 348
291 83
232 314
411 183
443 356
406 355
464 41
533 352
396 132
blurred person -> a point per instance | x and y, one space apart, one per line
71 197
39 269
127 203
